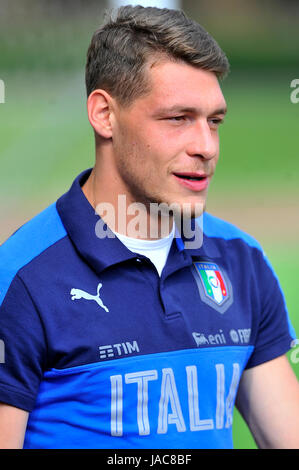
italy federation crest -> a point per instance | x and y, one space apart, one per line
213 284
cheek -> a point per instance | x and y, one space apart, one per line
217 152
146 150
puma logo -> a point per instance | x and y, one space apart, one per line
81 294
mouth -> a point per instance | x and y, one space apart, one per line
193 181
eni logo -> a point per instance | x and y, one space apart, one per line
81 294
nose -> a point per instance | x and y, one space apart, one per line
204 141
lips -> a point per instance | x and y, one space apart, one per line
191 176
195 181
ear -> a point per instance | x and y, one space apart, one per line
99 109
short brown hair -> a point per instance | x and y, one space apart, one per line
130 36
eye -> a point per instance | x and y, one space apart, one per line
215 122
177 118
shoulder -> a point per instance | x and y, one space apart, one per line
239 244
214 227
28 242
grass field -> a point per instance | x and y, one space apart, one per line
46 141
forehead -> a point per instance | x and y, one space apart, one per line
177 83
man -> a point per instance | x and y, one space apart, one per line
117 335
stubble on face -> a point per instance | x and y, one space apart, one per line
144 161
161 213
138 175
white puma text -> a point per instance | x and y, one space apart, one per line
81 294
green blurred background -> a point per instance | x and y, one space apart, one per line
46 140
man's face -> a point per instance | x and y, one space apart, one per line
166 144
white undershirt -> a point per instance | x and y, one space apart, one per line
156 250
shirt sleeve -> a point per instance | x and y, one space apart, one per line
23 339
274 333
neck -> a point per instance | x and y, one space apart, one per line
117 208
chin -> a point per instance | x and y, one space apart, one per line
188 208
185 210
192 209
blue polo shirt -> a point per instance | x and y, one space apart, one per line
105 353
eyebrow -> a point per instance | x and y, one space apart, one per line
188 109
